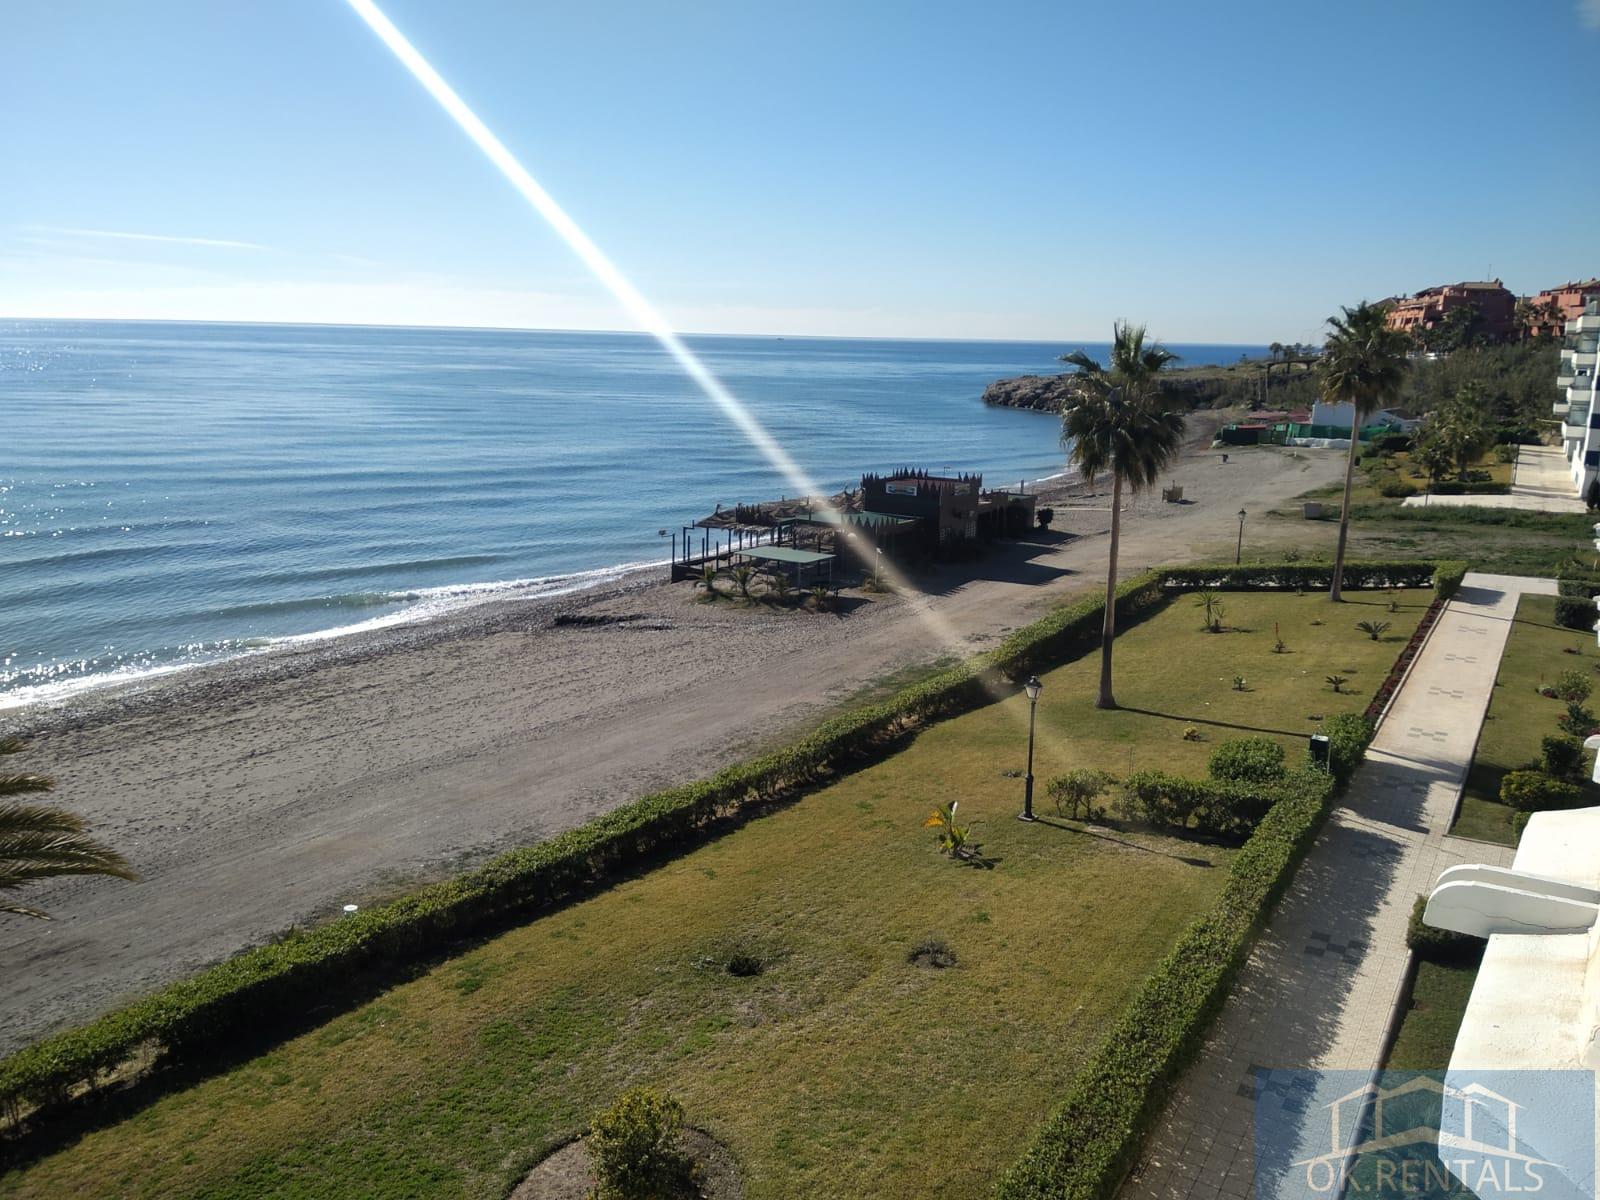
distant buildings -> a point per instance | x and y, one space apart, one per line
1495 304
1551 309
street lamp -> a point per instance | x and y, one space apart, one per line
1238 550
1032 687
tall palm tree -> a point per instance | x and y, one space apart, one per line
1115 423
1364 366
40 842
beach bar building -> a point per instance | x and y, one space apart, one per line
949 512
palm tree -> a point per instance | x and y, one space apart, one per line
1115 423
1363 366
40 842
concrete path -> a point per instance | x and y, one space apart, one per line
1541 482
1326 974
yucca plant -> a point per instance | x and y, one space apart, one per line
1212 603
1336 682
707 580
742 578
1373 629
954 839
40 842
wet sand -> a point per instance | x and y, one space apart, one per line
258 794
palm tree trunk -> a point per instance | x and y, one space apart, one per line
1108 630
1344 508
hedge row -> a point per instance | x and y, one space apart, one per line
1087 1145
1455 487
1440 945
1223 807
181 1021
1443 576
184 1018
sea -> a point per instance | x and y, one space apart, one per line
175 494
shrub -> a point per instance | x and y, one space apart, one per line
1577 721
1076 791
1223 807
1534 791
1373 629
1044 516
1440 945
1348 735
1447 577
1561 757
1336 682
1247 760
1573 686
1214 609
634 1147
1396 489
1575 613
1314 576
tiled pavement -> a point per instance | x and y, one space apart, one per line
1326 973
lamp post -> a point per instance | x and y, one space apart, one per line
1032 688
1238 551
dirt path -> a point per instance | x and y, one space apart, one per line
253 806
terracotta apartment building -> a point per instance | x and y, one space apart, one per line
1497 307
1554 307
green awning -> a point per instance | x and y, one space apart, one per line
785 554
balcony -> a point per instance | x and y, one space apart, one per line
1575 424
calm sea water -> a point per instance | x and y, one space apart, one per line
172 494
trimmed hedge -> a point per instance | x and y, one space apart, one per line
1440 945
1455 487
1443 575
1223 807
1534 791
1246 760
1086 1146
183 1021
1075 628
1575 613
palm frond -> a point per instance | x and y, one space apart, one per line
17 785
38 842
1122 426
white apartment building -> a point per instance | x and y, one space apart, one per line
1580 421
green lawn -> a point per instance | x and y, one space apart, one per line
1428 1032
1537 651
842 1070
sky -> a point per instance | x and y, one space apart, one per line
1228 172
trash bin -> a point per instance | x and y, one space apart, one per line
1319 750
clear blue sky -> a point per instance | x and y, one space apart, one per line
1226 172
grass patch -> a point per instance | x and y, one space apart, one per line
825 1069
1518 718
1428 1030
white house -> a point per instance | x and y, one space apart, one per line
1580 423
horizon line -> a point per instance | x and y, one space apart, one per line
821 337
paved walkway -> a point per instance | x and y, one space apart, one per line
1541 482
1326 974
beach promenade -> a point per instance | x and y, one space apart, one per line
1324 979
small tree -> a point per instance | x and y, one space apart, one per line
1336 682
1076 791
742 578
954 838
1212 603
634 1147
1591 494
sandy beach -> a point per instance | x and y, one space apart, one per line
266 792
